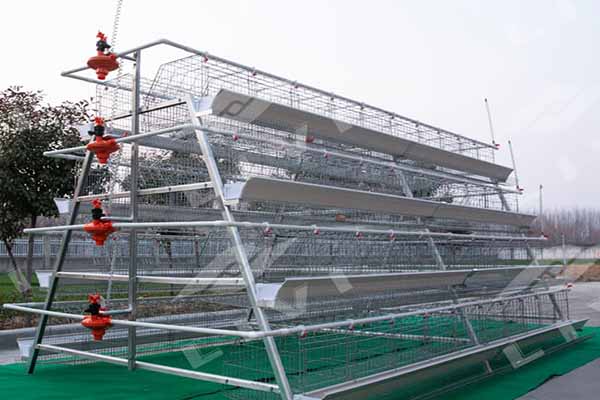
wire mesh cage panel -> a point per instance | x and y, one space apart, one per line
334 356
206 75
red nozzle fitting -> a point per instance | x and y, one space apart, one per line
96 321
102 146
104 61
98 228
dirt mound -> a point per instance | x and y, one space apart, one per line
583 272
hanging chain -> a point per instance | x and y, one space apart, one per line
113 169
116 22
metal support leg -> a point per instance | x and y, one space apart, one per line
408 193
132 284
60 259
556 307
241 257
530 253
506 207
505 204
468 327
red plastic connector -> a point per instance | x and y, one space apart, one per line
104 61
98 228
102 146
96 322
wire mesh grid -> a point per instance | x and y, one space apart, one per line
206 75
275 254
332 356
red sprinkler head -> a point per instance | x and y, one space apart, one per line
96 321
104 61
98 228
102 146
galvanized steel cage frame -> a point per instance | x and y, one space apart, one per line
173 106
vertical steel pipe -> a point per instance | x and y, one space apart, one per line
133 204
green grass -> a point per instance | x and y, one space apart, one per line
9 293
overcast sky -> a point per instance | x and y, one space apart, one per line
536 61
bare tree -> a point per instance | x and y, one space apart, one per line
581 226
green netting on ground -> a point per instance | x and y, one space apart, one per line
328 358
99 380
516 383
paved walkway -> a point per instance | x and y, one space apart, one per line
584 302
9 356
580 384
584 382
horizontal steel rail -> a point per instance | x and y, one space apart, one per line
146 192
265 225
265 387
141 324
145 110
407 336
154 279
300 329
225 380
125 139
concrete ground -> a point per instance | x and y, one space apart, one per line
9 356
584 382
580 384
584 302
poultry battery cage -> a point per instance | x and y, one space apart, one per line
309 245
